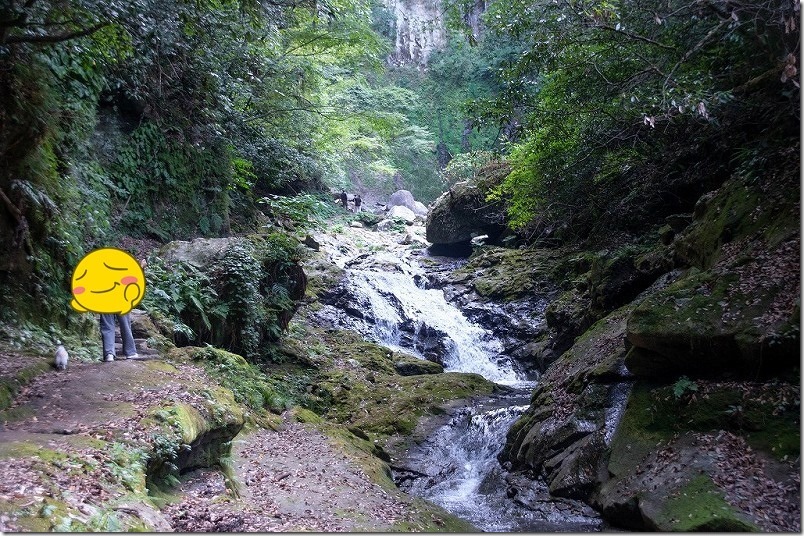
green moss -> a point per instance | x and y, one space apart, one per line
249 384
25 449
393 404
700 506
160 366
654 414
638 433
9 387
431 518
739 209
305 416
508 274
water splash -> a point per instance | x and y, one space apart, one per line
463 476
394 298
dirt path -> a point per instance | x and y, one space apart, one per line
62 458
294 480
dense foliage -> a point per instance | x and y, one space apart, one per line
160 120
603 93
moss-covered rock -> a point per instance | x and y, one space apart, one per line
464 211
680 448
502 274
235 293
737 310
714 322
562 435
617 278
411 366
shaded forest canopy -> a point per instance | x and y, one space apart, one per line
173 119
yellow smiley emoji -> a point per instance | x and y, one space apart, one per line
107 280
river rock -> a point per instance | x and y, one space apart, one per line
402 213
311 243
401 198
464 211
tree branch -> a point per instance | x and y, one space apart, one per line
636 37
58 38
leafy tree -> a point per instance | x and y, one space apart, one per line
602 87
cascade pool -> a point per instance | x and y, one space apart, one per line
456 467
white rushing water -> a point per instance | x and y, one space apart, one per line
394 298
456 467
464 477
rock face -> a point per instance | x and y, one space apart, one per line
417 28
661 358
464 211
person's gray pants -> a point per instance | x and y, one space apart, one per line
107 334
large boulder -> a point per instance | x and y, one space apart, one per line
464 211
402 213
401 198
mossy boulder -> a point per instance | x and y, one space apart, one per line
411 366
617 278
563 434
465 211
710 323
501 274
676 458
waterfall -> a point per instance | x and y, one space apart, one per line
396 300
383 297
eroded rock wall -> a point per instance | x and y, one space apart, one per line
418 27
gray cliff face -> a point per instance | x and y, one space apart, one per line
419 29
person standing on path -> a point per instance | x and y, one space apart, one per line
344 200
107 322
358 202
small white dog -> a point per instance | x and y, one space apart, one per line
61 357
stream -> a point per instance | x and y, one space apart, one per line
385 298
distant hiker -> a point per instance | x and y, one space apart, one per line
344 200
358 202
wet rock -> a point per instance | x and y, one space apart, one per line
414 367
574 471
563 433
